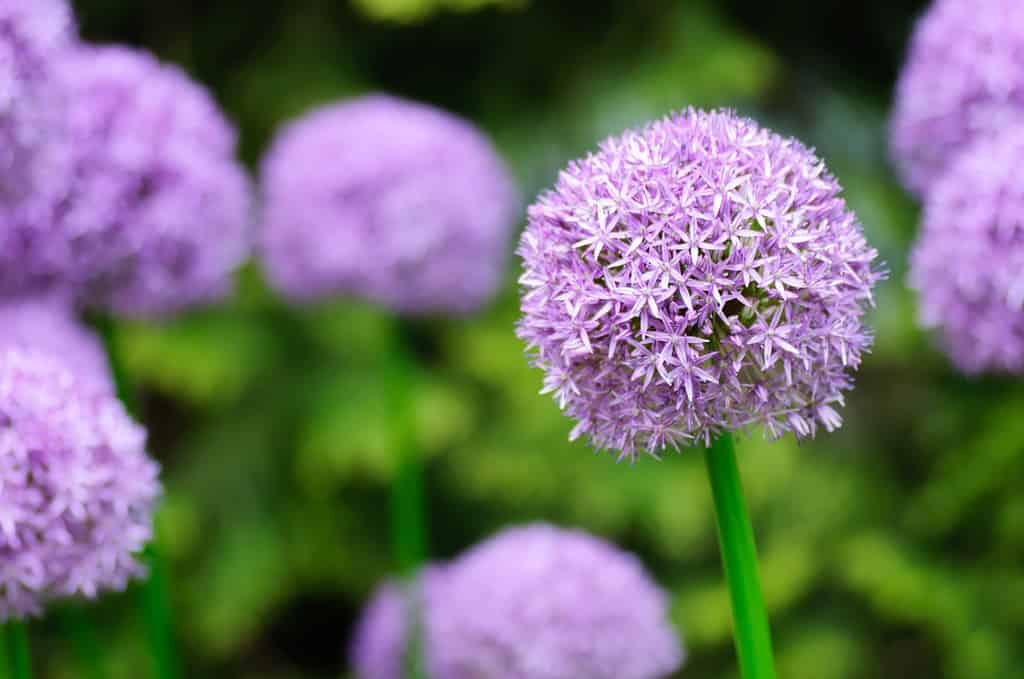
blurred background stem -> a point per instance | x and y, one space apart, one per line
154 596
18 650
89 655
408 513
739 559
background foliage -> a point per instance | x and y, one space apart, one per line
893 548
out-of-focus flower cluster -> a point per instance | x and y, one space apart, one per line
963 78
388 200
968 263
76 487
127 193
158 215
697 276
33 34
957 138
535 602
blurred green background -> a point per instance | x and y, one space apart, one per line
893 548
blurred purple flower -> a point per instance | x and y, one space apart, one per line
389 200
49 326
540 602
158 215
534 602
968 262
33 36
76 487
964 77
695 277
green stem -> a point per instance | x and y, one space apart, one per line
739 558
408 513
87 648
17 640
155 591
5 657
157 611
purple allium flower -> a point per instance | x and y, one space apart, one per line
968 262
964 77
698 276
76 487
33 36
539 602
158 215
393 201
49 326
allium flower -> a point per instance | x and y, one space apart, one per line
968 262
33 35
389 200
539 602
964 77
48 325
695 277
158 216
76 487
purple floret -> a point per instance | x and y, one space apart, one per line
968 262
963 78
159 213
49 325
33 36
540 602
77 489
698 276
387 200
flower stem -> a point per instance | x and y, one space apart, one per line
154 596
739 558
408 513
87 649
17 643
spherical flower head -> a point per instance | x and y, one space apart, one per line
963 77
697 276
48 324
33 36
158 216
388 200
968 262
76 487
539 602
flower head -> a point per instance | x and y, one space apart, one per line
964 77
48 325
158 215
33 36
76 487
393 201
968 262
539 602
697 276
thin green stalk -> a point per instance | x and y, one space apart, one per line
157 611
5 657
155 592
17 641
87 648
408 513
739 558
